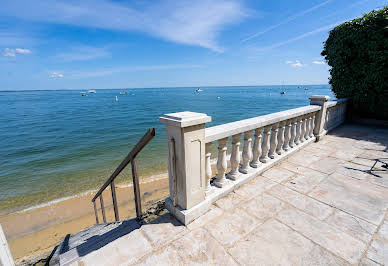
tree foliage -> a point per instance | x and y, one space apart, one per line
357 52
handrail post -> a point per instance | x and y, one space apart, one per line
114 200
102 208
95 211
136 187
187 129
320 117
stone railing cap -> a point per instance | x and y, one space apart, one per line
319 97
185 119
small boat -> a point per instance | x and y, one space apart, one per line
198 90
282 92
218 97
84 94
117 99
306 89
123 92
91 91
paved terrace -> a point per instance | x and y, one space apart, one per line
320 206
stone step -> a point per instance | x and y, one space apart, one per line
72 247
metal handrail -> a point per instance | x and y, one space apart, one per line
130 158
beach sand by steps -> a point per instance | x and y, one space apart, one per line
35 232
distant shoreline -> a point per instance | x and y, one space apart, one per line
169 87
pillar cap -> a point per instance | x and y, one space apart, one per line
185 119
323 98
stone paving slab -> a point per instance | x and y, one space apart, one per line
302 202
329 237
255 187
359 198
263 206
274 243
378 250
277 174
231 226
352 225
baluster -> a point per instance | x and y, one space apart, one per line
294 124
247 152
274 140
308 124
298 128
221 163
279 148
302 129
287 135
114 200
235 157
326 126
208 167
102 208
264 156
312 125
256 149
95 211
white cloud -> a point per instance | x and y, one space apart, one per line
188 22
83 53
299 37
319 62
56 75
297 63
291 18
8 52
22 51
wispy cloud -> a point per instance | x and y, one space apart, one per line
110 71
295 63
291 18
83 53
9 52
189 22
319 62
299 37
56 75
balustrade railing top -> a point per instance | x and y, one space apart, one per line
194 187
229 129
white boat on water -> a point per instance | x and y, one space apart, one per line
91 91
123 92
198 90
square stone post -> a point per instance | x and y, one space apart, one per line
185 133
320 117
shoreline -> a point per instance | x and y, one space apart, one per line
36 230
85 193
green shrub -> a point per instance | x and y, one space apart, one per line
357 52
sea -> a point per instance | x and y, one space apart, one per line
55 144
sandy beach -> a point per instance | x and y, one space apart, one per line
37 231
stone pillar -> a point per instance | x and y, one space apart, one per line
320 117
187 181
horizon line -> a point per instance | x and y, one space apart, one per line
172 87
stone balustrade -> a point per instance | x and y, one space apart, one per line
264 141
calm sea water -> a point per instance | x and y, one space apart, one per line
55 144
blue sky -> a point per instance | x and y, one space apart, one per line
84 44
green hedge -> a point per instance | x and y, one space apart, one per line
357 52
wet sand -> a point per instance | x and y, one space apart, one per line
36 232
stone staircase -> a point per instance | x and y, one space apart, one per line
72 247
